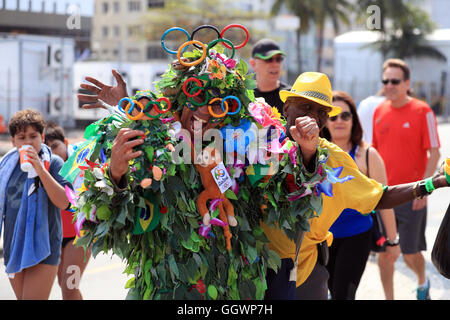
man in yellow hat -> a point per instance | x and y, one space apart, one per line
307 106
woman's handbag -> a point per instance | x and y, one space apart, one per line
440 255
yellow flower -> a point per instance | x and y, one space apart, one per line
276 113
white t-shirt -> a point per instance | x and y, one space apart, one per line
366 109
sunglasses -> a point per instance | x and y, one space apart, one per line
393 81
345 116
277 59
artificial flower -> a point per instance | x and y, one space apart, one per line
326 186
216 70
264 114
228 62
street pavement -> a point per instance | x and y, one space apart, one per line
104 278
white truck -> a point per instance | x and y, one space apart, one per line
36 72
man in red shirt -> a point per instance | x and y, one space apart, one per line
405 134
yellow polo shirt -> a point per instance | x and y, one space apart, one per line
360 193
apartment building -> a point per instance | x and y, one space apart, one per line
117 31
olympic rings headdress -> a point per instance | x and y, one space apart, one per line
193 80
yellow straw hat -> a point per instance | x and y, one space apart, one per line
314 86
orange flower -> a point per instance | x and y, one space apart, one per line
216 70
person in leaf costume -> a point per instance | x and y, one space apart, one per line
175 254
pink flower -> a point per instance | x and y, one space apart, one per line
265 115
229 63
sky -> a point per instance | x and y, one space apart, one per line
86 6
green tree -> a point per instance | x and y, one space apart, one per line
334 10
403 30
189 14
317 12
303 9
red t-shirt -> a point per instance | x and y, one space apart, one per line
403 136
68 228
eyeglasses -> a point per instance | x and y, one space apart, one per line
345 116
393 81
276 59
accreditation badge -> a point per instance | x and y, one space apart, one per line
221 177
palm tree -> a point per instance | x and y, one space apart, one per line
303 9
317 12
405 36
335 10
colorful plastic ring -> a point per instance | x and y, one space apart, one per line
235 99
196 62
170 30
162 110
199 104
139 116
215 115
235 26
205 26
152 116
129 102
214 42
148 107
197 81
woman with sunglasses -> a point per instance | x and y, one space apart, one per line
352 231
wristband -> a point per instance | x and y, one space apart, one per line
429 185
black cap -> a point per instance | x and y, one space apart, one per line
265 49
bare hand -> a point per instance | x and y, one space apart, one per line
109 94
35 160
419 204
439 179
122 152
392 253
306 134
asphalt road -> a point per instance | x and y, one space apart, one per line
104 280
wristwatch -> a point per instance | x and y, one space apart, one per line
423 189
393 243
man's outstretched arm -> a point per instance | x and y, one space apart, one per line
399 194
